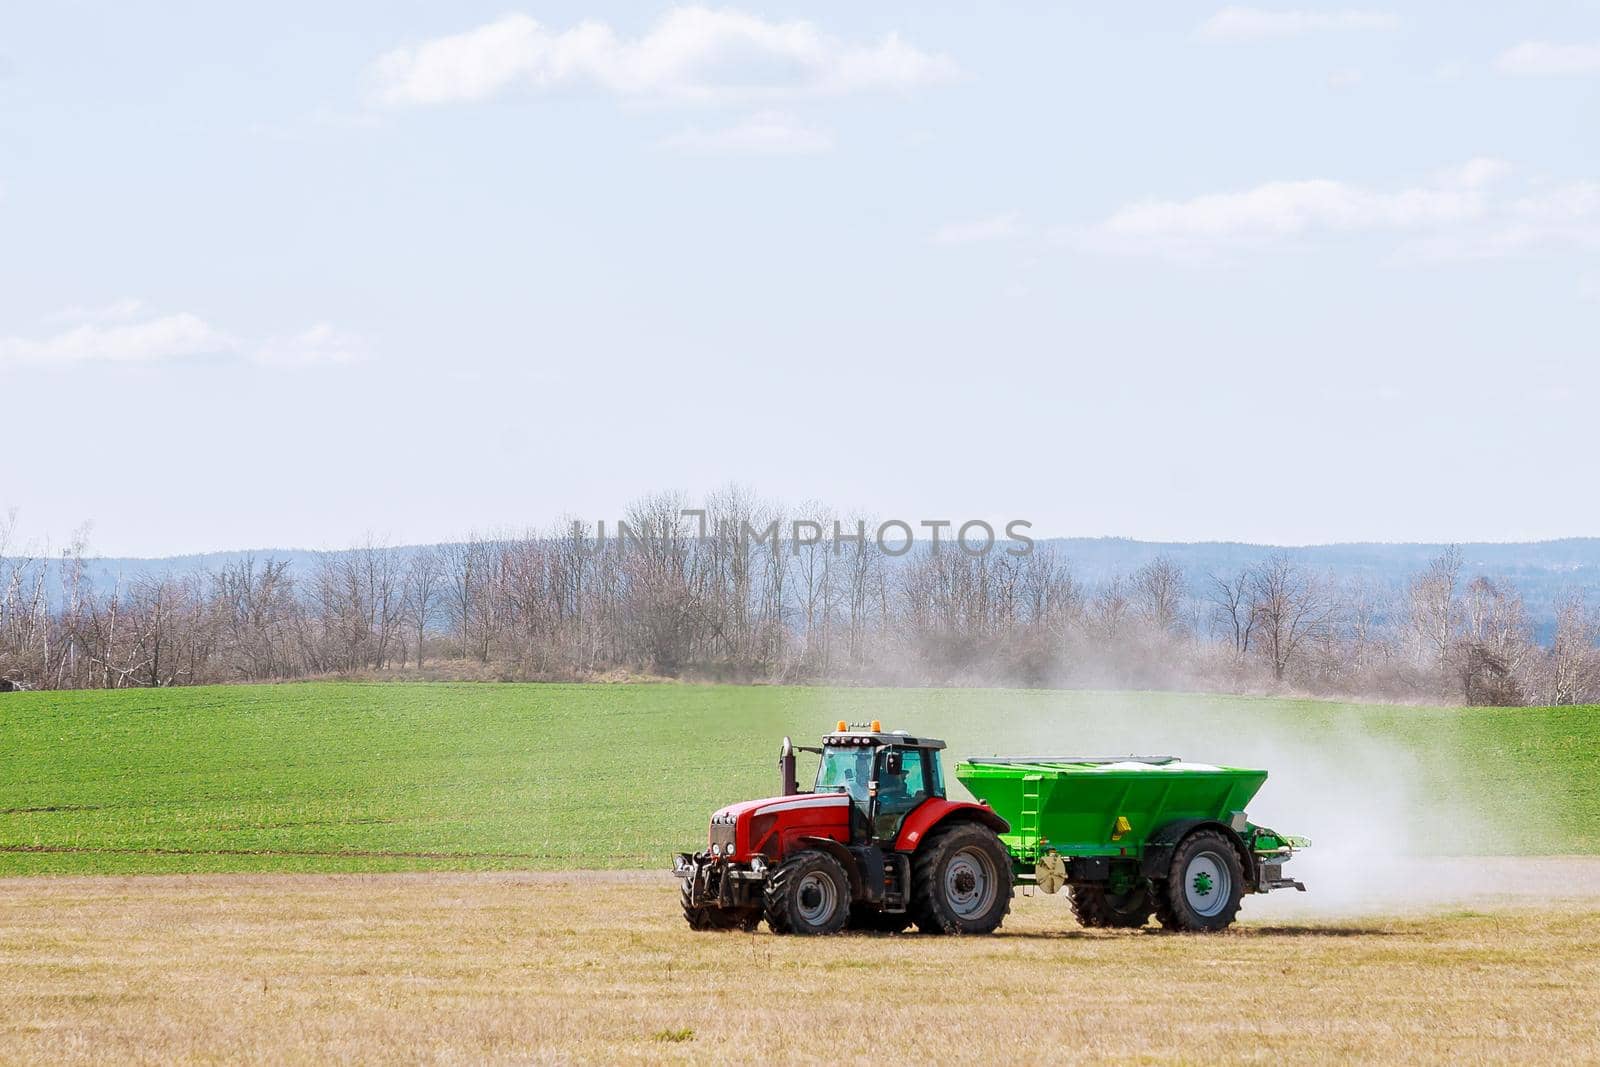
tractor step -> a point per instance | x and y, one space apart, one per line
897 870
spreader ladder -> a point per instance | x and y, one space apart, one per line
1028 824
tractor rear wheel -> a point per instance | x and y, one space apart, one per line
809 893
1204 885
1097 907
877 921
960 881
711 917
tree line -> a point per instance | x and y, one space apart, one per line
693 596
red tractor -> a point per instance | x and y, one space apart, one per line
875 845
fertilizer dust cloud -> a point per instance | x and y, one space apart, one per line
1385 819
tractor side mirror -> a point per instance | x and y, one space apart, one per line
892 762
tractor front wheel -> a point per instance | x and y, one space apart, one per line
809 893
1203 886
1097 907
960 881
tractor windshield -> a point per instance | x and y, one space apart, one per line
846 769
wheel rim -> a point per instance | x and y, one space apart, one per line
1207 883
970 883
816 898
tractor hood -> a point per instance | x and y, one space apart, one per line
743 829
773 805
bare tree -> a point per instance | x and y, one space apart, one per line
469 606
1435 611
1494 644
421 591
1574 669
816 589
1234 609
1364 611
661 583
155 606
1107 616
864 583
259 620
1291 607
1159 591
24 612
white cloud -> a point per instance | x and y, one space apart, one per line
769 133
1255 24
1464 213
158 340
1283 209
1546 58
1344 78
1563 205
1548 217
320 345
691 54
993 228
120 334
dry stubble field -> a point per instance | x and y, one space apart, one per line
555 968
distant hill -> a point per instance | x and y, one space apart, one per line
1573 561
1541 570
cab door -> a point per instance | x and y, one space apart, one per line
903 784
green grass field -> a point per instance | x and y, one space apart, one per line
472 776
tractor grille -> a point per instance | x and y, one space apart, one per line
722 834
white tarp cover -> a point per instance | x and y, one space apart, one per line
1176 765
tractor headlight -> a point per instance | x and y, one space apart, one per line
716 850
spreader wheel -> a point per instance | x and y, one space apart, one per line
1204 885
711 917
809 893
960 881
1095 906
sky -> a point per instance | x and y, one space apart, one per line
294 275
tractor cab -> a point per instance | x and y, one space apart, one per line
887 776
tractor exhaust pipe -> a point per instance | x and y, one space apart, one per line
786 768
